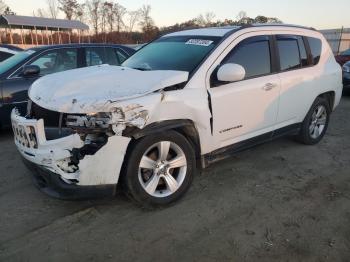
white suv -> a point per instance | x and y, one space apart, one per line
182 102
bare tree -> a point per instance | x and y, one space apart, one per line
206 19
93 7
119 11
8 11
104 12
2 7
79 13
133 18
241 15
53 8
40 12
108 11
68 7
146 21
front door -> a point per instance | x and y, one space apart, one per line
15 88
247 108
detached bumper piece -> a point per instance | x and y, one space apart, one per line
51 184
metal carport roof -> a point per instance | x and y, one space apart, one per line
40 23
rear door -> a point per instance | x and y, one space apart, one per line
298 76
246 108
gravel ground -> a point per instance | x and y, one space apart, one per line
281 201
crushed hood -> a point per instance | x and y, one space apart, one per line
90 89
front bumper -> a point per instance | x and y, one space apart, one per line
51 184
51 160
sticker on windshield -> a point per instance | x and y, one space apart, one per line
200 42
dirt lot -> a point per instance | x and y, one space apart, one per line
278 202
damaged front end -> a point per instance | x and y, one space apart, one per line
78 125
81 150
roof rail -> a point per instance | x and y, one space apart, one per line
281 24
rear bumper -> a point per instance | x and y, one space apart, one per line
51 184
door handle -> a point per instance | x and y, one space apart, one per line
269 86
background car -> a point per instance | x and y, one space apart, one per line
343 57
19 71
346 76
6 51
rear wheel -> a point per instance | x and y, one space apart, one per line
159 169
316 122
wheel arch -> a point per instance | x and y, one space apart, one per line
330 97
185 127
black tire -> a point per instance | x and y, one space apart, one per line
130 176
304 135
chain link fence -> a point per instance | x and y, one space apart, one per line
338 39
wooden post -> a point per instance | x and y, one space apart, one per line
59 36
11 38
31 36
47 36
22 35
51 37
70 41
79 35
42 37
340 39
36 35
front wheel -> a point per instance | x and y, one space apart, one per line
316 122
159 168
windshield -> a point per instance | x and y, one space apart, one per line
14 60
183 53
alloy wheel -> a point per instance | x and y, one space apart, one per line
162 169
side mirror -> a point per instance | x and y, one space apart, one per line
30 70
231 73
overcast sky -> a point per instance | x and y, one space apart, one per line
321 14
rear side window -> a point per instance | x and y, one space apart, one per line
289 53
4 56
254 55
101 55
315 47
120 55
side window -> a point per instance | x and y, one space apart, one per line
316 48
289 54
121 56
4 56
253 54
57 60
101 55
302 50
111 57
94 56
